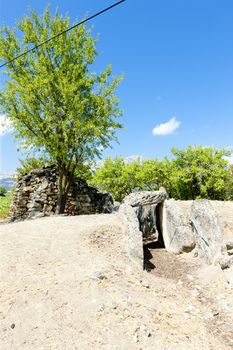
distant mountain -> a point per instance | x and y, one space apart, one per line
7 180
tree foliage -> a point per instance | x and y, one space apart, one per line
121 178
54 102
197 172
3 191
117 177
200 172
30 163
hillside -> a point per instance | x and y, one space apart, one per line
7 182
67 283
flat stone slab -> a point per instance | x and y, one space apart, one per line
137 199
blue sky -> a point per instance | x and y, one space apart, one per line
177 59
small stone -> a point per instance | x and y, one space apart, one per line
215 313
135 338
195 293
228 326
190 277
114 306
99 275
189 308
100 340
229 245
144 329
13 326
101 307
145 283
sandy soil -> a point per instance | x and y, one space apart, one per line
67 283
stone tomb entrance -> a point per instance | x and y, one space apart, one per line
180 227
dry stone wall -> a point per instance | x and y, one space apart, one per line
36 195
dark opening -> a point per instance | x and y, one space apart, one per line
148 248
159 224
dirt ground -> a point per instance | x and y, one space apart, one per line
67 283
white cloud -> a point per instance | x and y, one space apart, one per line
5 125
130 159
8 174
230 160
167 128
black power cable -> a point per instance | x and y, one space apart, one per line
61 33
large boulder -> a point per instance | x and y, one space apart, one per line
224 209
177 231
133 234
207 229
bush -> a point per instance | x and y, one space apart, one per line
5 203
2 191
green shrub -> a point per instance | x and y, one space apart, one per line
3 191
5 203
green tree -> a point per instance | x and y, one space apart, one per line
154 173
199 172
229 184
3 191
117 177
121 178
55 103
30 163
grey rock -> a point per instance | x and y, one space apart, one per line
99 275
177 231
137 199
107 203
35 214
113 306
116 206
229 245
133 235
225 261
228 326
230 252
224 209
229 276
208 231
101 307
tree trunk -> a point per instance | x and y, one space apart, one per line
64 181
